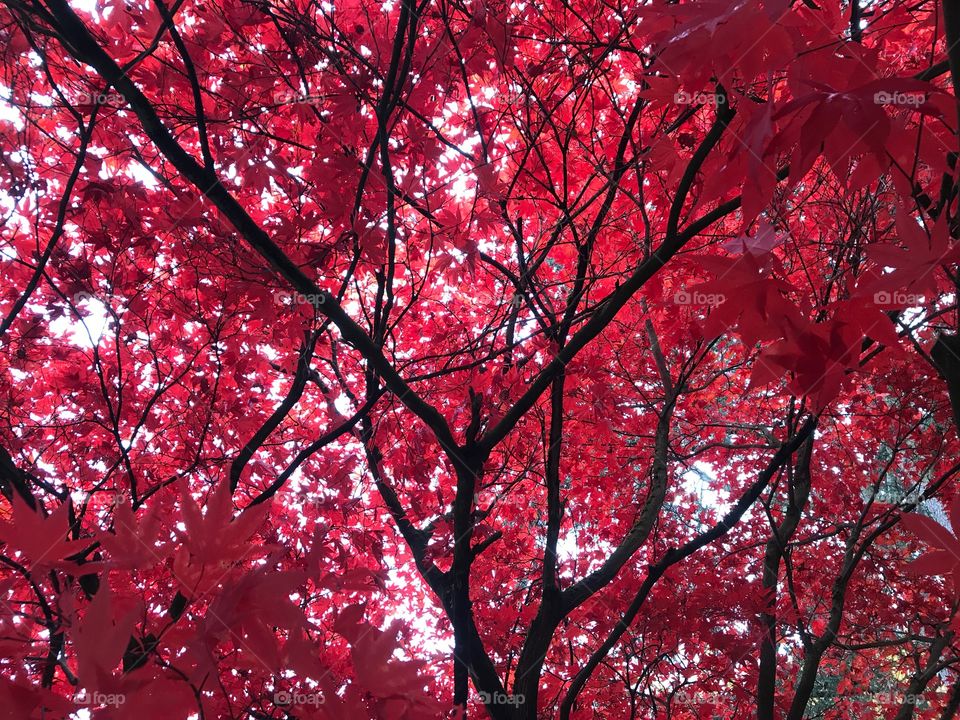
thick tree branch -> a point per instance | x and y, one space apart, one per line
674 556
85 48
608 309
798 494
278 415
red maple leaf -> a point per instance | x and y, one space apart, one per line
41 538
944 556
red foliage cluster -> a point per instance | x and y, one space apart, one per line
411 360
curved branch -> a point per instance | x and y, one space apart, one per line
608 309
278 415
674 556
82 45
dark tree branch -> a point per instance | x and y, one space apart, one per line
674 556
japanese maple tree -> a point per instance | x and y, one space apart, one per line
443 359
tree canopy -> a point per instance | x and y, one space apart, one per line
433 359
